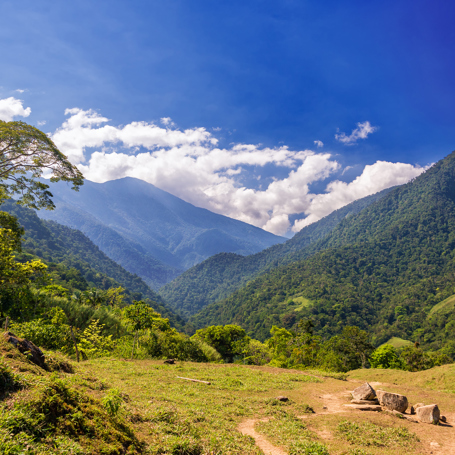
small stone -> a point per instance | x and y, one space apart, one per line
284 399
364 392
443 419
412 411
428 414
393 401
325 407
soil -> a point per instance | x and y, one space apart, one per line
247 428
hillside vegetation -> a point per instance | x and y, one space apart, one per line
75 262
224 273
382 269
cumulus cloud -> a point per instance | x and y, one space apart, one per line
12 107
375 177
319 144
361 132
41 123
191 165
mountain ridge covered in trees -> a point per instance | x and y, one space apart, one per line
382 269
220 275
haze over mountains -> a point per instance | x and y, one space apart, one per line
150 232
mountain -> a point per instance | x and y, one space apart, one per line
217 277
383 269
74 258
149 231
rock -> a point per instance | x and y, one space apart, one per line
412 411
418 405
364 392
33 352
393 401
443 419
170 361
284 399
364 407
428 414
365 401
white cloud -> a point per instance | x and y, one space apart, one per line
361 132
20 90
191 165
12 107
166 121
319 143
41 123
374 178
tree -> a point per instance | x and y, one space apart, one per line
353 347
229 340
386 356
26 155
140 316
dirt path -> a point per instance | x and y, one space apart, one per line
247 428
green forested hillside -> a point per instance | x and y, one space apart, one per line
224 273
383 269
75 261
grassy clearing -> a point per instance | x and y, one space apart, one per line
119 407
443 307
398 342
204 418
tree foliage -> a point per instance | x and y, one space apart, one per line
26 155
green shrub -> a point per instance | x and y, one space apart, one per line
112 401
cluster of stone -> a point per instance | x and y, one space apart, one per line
365 398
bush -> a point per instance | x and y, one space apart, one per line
386 356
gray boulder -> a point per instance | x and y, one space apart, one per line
429 414
393 401
364 392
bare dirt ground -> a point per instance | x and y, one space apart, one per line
436 440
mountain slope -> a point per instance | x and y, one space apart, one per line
63 247
382 269
149 231
224 273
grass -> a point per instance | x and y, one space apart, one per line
445 306
370 434
398 342
205 417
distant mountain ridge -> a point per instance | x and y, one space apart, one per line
224 273
149 231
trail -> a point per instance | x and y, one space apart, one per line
247 428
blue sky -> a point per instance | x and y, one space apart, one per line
284 73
